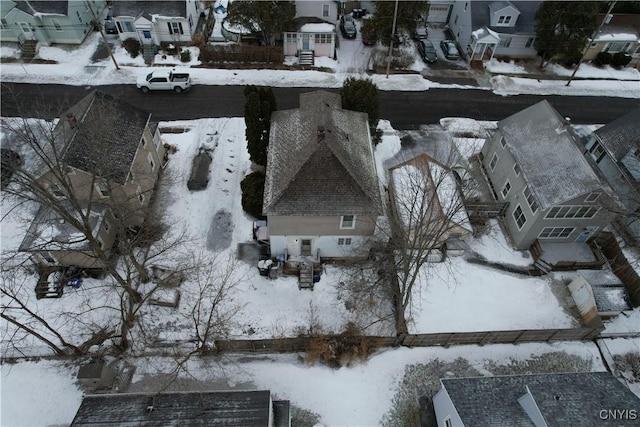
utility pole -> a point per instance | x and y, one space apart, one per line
606 20
393 35
104 38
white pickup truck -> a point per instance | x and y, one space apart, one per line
164 80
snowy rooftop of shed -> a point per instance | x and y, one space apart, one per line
553 166
318 28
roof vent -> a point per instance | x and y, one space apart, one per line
71 119
321 133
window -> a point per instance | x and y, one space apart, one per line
519 217
140 194
125 26
592 197
25 27
506 189
56 24
615 47
504 20
323 38
597 152
516 169
503 142
529 42
561 212
455 21
504 41
348 221
448 422
325 10
556 232
175 27
106 225
78 15
3 24
465 5
56 191
190 22
103 189
530 200
292 38
156 140
494 161
344 241
151 163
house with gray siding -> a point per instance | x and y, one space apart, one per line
322 197
535 163
49 22
586 399
494 29
315 33
615 150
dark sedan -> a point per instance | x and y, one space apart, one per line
427 51
348 27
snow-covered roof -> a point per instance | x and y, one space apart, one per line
484 33
552 164
616 37
318 28
621 136
320 160
50 232
149 8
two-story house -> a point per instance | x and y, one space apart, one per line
494 29
615 149
586 399
322 196
155 22
535 163
48 22
105 156
315 33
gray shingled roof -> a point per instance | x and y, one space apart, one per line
334 176
621 135
571 399
552 164
108 132
524 25
147 8
31 7
242 409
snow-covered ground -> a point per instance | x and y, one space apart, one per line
460 296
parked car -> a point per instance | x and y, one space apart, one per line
449 49
348 26
164 80
421 31
427 50
110 26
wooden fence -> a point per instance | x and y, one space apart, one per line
620 266
444 339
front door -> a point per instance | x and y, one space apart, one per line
27 30
586 233
145 36
305 247
305 41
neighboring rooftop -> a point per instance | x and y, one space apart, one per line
320 160
553 166
33 7
621 135
526 21
239 408
570 399
149 8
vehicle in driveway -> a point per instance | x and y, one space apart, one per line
449 49
421 31
348 27
110 26
427 51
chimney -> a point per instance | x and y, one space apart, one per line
71 119
321 133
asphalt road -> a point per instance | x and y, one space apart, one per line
405 110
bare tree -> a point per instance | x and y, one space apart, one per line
91 188
426 210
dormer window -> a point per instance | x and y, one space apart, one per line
504 20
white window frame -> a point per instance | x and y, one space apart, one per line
103 188
106 225
4 24
175 27
530 42
592 197
504 19
505 41
616 47
503 142
344 241
151 162
494 160
531 201
517 217
325 10
556 232
347 227
505 189
516 169
448 422
575 211
597 151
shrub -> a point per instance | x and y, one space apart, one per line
185 55
341 350
242 53
132 46
252 187
620 59
603 58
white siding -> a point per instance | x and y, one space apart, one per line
444 409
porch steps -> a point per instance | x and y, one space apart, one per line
542 265
305 278
29 49
306 57
46 289
148 53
